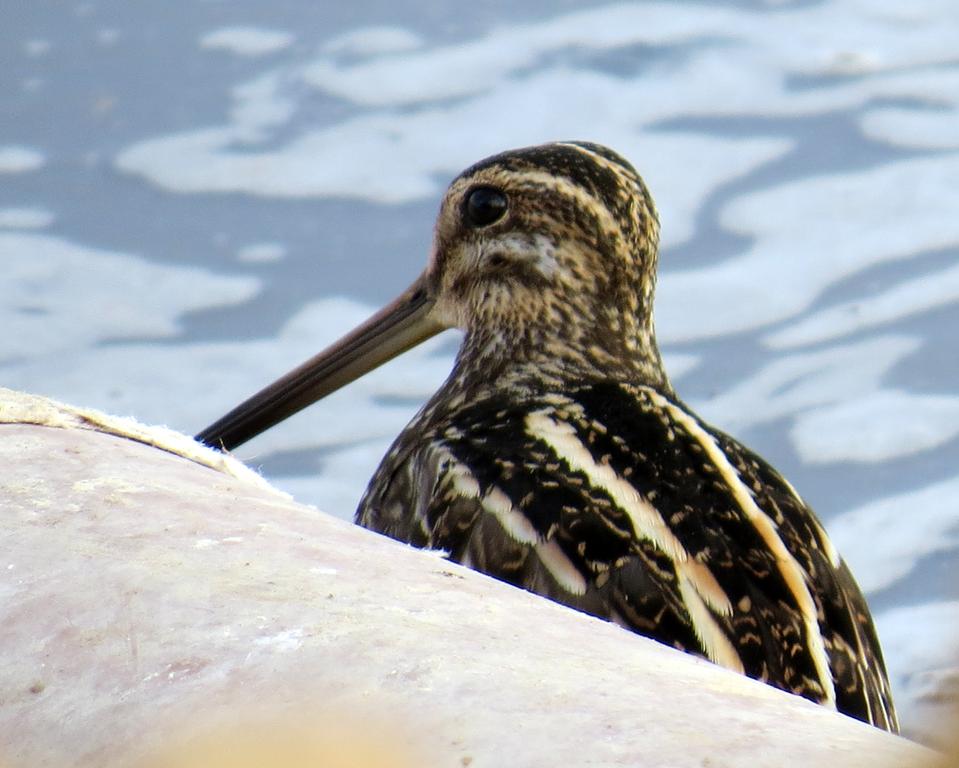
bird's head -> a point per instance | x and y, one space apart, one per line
548 245
544 256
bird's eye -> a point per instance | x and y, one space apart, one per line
484 206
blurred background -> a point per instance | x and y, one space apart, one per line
196 196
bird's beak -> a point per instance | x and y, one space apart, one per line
399 326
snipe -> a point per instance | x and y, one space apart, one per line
557 456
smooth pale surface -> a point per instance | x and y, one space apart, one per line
143 594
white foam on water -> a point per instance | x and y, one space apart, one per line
25 218
405 155
261 253
259 105
740 64
906 299
37 47
884 540
932 123
935 129
108 36
18 159
247 41
919 644
809 235
679 364
61 299
831 39
800 383
876 427
368 41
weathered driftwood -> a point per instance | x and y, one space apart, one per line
146 592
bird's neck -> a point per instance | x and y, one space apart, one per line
540 359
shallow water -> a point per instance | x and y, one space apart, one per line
196 196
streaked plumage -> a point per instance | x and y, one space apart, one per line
557 456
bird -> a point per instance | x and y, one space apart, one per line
557 456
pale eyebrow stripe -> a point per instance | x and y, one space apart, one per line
565 187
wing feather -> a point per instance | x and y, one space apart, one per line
619 501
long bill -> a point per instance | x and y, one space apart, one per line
399 326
